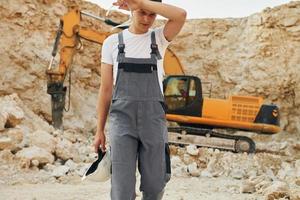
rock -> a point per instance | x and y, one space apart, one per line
294 29
192 150
289 21
72 165
6 155
297 164
6 143
2 122
35 163
58 162
206 173
210 150
284 145
11 139
173 150
278 195
296 146
14 118
83 156
217 151
255 20
270 174
83 150
286 170
43 140
261 183
11 113
60 171
16 134
297 181
252 173
57 133
187 159
24 163
59 9
84 73
276 187
181 151
179 171
295 195
176 161
237 173
211 166
70 135
36 153
247 187
49 167
63 149
193 170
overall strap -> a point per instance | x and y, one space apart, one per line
155 55
154 47
121 47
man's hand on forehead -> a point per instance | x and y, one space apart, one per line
129 5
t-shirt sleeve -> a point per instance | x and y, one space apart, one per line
161 39
106 52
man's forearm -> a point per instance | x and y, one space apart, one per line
168 11
102 109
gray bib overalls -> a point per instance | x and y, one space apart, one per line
138 130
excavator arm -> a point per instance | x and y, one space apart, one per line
68 41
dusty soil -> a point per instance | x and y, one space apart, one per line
177 189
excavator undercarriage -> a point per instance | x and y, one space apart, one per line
202 137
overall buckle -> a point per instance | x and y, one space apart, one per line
121 48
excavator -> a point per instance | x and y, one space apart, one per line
192 117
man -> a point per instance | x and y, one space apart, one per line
132 62
182 87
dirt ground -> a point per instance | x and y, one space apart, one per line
179 188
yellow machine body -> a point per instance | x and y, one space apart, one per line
235 112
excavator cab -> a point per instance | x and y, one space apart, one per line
183 95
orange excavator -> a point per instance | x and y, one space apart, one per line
196 116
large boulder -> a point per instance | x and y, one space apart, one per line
11 139
10 113
63 149
35 153
43 140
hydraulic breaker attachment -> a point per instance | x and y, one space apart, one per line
58 94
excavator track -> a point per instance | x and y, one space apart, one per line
185 135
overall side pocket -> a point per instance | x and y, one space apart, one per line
164 106
168 162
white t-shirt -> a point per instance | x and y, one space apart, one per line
136 46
